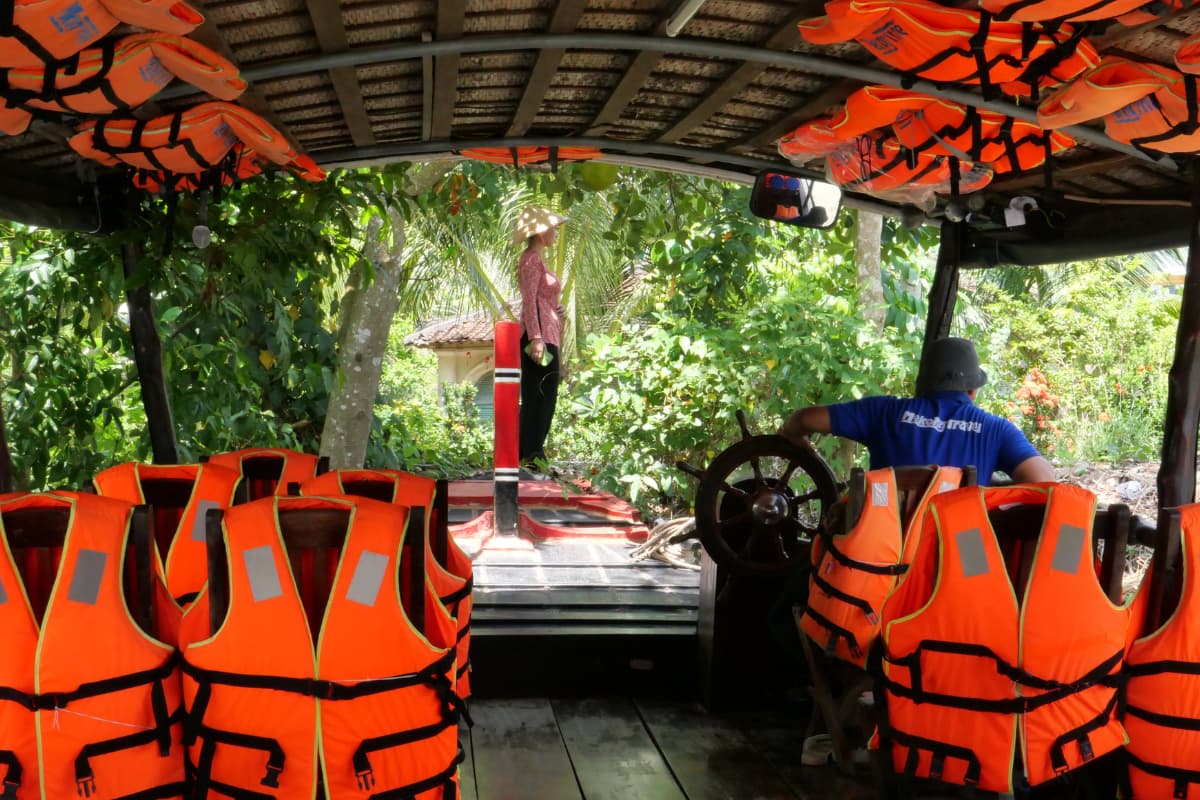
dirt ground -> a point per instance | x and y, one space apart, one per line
1132 483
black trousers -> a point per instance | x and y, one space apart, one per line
539 395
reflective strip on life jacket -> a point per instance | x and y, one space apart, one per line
89 701
965 663
187 142
46 31
452 581
212 487
113 77
1059 10
854 572
297 467
520 156
366 696
955 45
1162 695
1146 105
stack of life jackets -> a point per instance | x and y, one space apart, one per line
975 677
523 156
180 532
1146 105
47 31
854 572
89 700
295 468
1127 12
116 76
451 581
954 45
363 694
189 142
1162 692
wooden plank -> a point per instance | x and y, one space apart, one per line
445 69
466 770
565 19
519 752
579 596
781 743
614 756
712 758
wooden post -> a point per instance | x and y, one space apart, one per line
147 356
1177 468
943 294
6 468
506 398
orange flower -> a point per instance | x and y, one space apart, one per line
1105 417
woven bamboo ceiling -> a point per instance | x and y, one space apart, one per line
364 81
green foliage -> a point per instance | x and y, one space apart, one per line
1085 376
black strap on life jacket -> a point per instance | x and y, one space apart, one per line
1052 691
835 632
12 775
861 566
1185 127
52 93
8 9
1182 777
1012 10
459 594
837 594
435 676
160 734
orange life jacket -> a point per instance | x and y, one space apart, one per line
1162 695
956 45
297 467
366 697
879 164
1146 105
520 156
190 141
241 164
972 677
89 701
36 32
1060 10
179 532
113 77
452 581
854 572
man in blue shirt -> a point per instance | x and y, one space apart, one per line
941 426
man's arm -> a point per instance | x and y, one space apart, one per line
814 419
1034 469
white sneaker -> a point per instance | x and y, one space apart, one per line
818 751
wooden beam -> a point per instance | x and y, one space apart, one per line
426 91
327 23
1177 470
1120 34
1037 177
942 294
565 20
785 37
445 68
833 95
147 356
630 84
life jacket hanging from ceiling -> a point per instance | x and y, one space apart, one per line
1187 55
34 32
453 581
238 165
89 701
1073 11
116 76
1162 692
853 572
187 142
974 679
878 164
954 45
296 468
1149 106
523 156
364 696
180 532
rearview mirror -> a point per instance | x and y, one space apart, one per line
796 201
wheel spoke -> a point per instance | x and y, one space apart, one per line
758 476
787 473
733 490
766 540
736 519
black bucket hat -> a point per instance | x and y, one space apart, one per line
954 365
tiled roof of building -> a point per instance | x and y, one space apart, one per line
475 328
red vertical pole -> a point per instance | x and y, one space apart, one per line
507 398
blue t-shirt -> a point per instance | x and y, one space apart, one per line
943 428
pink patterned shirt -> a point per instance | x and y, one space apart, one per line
540 300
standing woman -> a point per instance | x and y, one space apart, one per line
541 329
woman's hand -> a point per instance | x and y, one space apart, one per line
536 349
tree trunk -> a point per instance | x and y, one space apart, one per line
868 257
366 318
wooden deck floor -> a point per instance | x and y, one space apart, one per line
617 748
